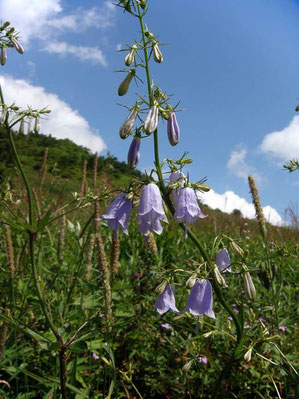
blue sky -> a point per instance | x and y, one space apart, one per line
233 65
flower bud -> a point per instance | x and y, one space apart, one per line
126 5
10 31
208 334
191 280
202 187
247 356
21 127
125 84
151 121
249 287
17 46
128 124
5 25
237 250
161 287
131 55
142 3
218 276
173 129
134 152
158 57
36 128
3 115
187 366
3 56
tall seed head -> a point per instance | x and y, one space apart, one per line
257 205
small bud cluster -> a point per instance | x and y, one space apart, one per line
12 115
8 39
157 106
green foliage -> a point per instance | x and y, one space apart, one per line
65 159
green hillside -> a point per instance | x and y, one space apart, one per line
65 162
64 170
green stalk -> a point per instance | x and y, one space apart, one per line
32 235
192 236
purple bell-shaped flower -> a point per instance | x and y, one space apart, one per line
166 300
223 260
175 176
118 213
151 210
187 209
200 300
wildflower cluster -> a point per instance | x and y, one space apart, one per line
176 193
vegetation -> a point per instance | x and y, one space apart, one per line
158 356
79 315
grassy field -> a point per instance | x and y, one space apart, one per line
135 353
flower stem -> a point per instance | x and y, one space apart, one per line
32 234
239 327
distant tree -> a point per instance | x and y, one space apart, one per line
237 212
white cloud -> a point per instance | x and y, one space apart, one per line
30 17
82 19
93 54
229 201
283 144
46 20
239 167
63 122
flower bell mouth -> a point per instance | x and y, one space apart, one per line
166 300
223 260
151 211
187 209
118 214
200 301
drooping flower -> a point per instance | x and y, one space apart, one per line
282 328
95 356
150 210
174 177
125 84
128 124
247 356
157 54
118 213
134 152
166 326
200 300
187 209
151 121
202 359
173 130
223 260
166 300
249 287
